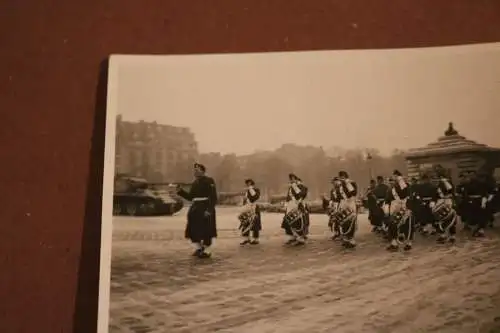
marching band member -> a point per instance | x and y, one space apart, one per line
461 198
294 219
379 194
348 192
446 197
478 194
425 197
401 221
251 224
412 201
495 203
305 207
492 205
446 189
369 201
331 205
201 225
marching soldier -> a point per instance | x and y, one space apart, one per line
446 226
252 224
201 225
331 205
400 221
492 205
495 203
294 220
425 196
348 192
369 201
379 194
446 189
461 199
412 202
478 195
305 208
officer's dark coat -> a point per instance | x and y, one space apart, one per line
199 226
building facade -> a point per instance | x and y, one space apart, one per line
455 153
156 152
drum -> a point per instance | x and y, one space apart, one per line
445 216
443 212
400 215
402 218
332 216
292 216
344 214
246 216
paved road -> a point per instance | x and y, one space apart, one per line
157 287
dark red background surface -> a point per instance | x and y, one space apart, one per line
52 112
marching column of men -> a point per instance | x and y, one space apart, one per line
396 210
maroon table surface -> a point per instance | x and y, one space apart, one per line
52 102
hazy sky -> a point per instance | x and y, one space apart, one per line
383 99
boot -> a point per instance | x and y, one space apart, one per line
393 246
300 241
205 253
479 232
441 239
349 243
245 241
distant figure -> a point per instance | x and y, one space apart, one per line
201 224
348 210
250 218
400 219
294 221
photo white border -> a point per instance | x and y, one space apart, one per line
107 198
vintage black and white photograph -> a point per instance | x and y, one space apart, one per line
294 192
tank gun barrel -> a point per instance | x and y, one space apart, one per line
169 183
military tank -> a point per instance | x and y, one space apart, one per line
135 196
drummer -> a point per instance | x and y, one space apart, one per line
348 191
294 222
250 218
331 204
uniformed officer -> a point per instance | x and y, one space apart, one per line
201 225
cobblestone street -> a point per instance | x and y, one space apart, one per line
158 287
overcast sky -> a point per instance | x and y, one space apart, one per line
383 99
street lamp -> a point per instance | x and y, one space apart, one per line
369 157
